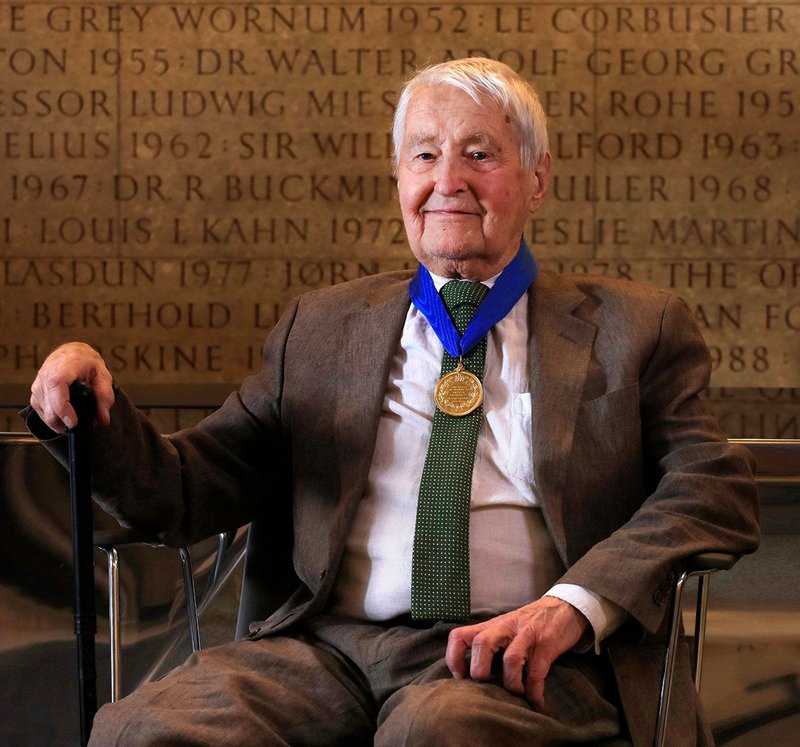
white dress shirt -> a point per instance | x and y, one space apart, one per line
513 560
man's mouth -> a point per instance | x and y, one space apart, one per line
451 211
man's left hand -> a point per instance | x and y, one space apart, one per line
533 637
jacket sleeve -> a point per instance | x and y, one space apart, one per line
216 476
699 492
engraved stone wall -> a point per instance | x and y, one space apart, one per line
172 173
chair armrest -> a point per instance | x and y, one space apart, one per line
709 561
701 565
122 536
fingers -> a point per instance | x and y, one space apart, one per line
483 641
532 638
53 407
538 668
104 397
458 643
515 659
527 663
495 636
50 389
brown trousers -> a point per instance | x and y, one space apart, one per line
339 682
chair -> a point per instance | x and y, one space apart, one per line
778 480
701 567
79 464
109 541
257 596
259 593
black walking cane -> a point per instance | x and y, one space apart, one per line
79 439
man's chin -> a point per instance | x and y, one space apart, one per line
456 252
461 262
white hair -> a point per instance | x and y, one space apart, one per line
481 78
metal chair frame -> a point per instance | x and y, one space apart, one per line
700 567
109 542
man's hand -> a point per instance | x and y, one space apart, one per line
50 389
533 637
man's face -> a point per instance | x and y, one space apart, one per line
463 193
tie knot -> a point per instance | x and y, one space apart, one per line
456 293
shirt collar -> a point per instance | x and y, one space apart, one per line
439 280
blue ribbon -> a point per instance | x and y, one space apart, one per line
509 287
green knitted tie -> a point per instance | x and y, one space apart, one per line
440 564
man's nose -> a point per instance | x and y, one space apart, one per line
451 176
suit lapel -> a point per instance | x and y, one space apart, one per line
372 334
560 347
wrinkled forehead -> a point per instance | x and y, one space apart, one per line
441 110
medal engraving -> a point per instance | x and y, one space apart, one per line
458 392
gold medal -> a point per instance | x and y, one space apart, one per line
458 392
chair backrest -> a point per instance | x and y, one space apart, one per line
35 548
777 463
37 597
778 479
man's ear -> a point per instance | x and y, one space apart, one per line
540 182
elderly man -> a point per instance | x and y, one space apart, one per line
478 490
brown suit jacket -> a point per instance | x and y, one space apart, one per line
633 474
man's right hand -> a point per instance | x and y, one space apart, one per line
50 390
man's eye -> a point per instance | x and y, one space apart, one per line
425 156
479 155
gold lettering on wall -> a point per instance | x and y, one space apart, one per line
171 174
